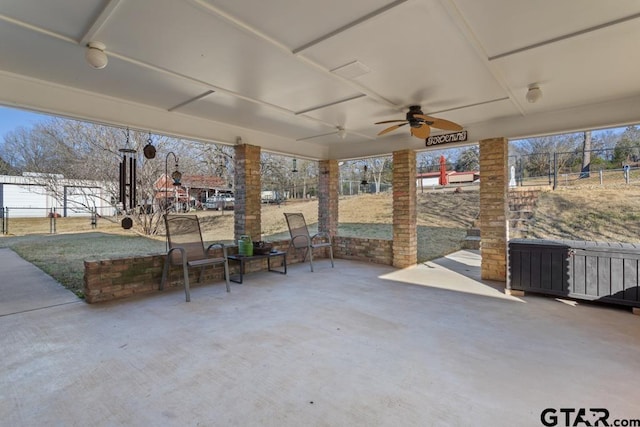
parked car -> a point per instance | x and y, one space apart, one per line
219 202
271 197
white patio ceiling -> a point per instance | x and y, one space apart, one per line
271 72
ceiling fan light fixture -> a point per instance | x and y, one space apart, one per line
342 133
95 55
534 94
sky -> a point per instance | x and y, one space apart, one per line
12 118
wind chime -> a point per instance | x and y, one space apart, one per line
127 173
364 184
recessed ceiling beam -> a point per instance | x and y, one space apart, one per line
37 29
566 36
189 101
100 20
331 104
505 98
335 132
209 8
349 26
465 29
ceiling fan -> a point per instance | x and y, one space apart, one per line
420 124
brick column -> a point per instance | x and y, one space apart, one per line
405 234
494 206
328 189
247 214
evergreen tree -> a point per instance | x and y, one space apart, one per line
628 147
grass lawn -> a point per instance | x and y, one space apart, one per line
62 255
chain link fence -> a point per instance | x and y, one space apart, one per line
563 169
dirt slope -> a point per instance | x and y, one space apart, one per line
589 213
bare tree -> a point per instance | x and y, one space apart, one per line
215 160
6 168
537 152
376 167
586 155
86 153
469 159
276 173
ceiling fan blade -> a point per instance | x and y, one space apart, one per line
439 123
422 132
446 125
389 121
389 129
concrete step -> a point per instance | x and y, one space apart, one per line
473 232
471 242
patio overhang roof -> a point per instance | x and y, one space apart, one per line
286 80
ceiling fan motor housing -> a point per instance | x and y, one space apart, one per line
413 122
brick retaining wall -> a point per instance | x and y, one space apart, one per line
378 251
117 278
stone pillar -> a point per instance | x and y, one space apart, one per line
405 234
328 190
494 207
247 212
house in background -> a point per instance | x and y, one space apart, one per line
466 177
193 191
432 179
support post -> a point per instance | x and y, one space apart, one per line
494 206
328 196
405 234
247 211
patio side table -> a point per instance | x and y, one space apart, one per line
243 259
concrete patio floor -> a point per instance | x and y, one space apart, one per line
358 345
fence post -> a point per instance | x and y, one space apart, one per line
6 220
626 174
52 221
550 167
555 170
2 219
601 177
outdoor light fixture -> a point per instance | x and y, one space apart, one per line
534 94
295 166
95 55
149 150
342 133
176 176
